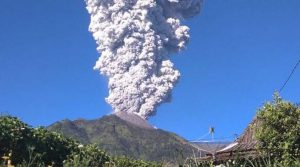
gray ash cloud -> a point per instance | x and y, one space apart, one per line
135 39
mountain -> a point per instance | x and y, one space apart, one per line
129 135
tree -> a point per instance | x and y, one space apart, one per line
279 131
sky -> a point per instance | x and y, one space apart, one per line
240 52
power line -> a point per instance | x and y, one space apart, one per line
218 139
290 76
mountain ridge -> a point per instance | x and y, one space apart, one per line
119 137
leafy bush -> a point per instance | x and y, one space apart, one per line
89 155
29 147
126 162
15 136
26 143
279 132
53 147
257 162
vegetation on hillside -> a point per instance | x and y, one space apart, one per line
119 137
32 147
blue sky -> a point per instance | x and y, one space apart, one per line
240 52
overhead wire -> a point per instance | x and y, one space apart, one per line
290 76
218 139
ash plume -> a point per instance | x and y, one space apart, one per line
135 39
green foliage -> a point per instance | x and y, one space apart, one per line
123 161
39 147
26 143
193 162
53 147
256 162
279 132
15 136
89 155
115 136
260 162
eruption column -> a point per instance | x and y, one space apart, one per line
135 39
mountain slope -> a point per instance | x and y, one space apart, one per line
119 136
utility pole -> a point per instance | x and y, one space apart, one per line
211 131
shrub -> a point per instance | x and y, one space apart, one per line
53 147
279 132
14 138
39 147
89 155
126 162
33 145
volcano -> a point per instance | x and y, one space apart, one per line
134 119
123 134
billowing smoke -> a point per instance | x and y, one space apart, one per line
135 39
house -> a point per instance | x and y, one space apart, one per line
243 147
